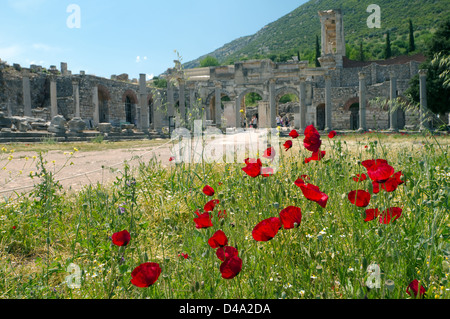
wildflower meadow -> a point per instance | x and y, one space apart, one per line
340 217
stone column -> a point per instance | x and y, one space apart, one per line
170 99
53 98
218 105
272 121
302 109
157 116
182 101
76 97
424 124
238 112
328 104
191 96
26 97
323 38
393 96
362 102
145 120
95 105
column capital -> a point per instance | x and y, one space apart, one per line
361 75
75 82
217 84
423 72
392 74
327 76
302 78
272 81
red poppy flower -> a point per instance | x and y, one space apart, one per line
332 134
360 178
316 156
208 191
313 193
398 177
253 168
312 140
145 275
369 163
294 134
171 159
270 153
209 207
222 214
371 214
231 267
267 171
288 145
390 215
121 238
219 239
203 220
291 217
380 173
414 287
299 182
185 256
376 187
267 229
390 185
378 170
359 198
224 253
14 227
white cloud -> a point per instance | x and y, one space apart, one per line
139 59
150 77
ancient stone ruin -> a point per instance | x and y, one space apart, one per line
336 95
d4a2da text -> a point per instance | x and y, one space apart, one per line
246 309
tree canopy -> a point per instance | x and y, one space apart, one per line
209 61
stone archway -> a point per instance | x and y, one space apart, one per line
354 116
103 104
259 110
130 100
285 92
211 103
320 117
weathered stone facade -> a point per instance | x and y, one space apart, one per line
335 96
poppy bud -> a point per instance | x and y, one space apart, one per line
390 285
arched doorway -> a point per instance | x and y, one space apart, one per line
320 117
212 106
250 101
150 112
103 104
354 116
129 110
289 99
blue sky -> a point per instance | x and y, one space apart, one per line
133 36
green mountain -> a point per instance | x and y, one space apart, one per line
296 32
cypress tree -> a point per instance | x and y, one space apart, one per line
317 51
387 50
361 52
412 45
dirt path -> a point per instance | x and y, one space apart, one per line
87 167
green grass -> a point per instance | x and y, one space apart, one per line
326 257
